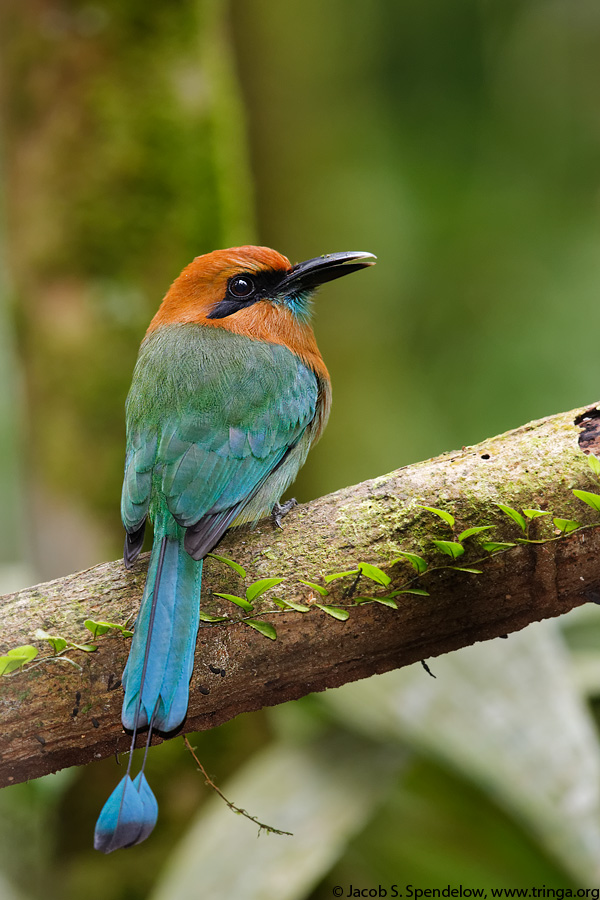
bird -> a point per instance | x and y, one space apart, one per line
228 394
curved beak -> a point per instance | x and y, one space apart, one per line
307 276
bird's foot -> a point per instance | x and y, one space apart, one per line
280 510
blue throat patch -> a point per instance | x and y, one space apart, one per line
300 304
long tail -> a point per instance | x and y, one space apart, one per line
156 681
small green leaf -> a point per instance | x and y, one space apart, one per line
469 532
316 587
26 651
417 562
41 635
471 571
8 665
57 643
335 575
592 500
102 627
566 526
257 588
17 657
446 516
450 548
594 463
206 617
231 563
374 574
386 601
514 515
96 628
334 611
239 601
88 648
264 628
495 546
418 591
291 604
535 513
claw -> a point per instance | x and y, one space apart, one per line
280 511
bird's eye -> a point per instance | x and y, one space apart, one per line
241 286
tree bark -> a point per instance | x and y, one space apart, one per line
55 715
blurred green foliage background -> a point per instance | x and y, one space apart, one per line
460 142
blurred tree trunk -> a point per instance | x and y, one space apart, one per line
124 158
14 572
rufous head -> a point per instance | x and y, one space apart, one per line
254 291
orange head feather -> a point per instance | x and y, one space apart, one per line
255 291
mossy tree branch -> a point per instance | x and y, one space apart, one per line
55 715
